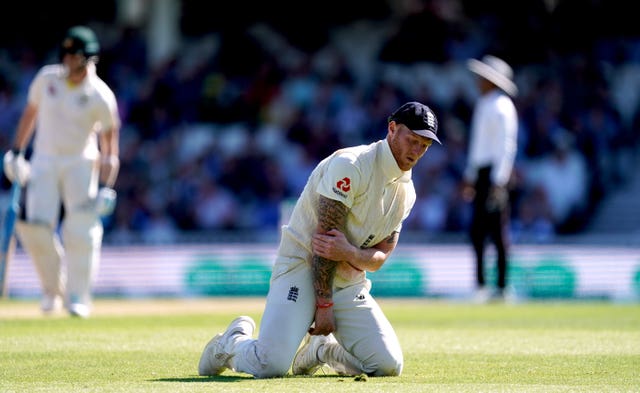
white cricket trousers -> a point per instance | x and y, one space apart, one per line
368 343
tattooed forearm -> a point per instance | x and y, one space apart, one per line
323 272
331 215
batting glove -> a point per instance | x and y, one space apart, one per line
16 167
106 201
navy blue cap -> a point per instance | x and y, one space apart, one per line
419 118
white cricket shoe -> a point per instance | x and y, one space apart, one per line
216 354
79 310
306 361
50 303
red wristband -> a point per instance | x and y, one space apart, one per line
324 305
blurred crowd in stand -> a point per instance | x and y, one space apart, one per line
219 136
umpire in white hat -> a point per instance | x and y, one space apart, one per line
491 156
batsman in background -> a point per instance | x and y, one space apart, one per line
73 118
346 222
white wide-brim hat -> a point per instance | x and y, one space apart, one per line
496 71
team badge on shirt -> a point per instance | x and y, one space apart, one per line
83 99
293 293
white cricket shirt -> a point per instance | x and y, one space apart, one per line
70 116
369 182
494 131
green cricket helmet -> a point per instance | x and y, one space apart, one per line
80 40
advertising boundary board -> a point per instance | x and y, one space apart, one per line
442 271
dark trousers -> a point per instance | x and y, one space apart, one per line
489 221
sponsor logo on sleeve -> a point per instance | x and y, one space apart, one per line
342 187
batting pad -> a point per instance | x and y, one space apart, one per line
82 235
44 247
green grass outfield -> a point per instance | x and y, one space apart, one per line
155 345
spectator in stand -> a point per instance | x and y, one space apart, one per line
563 176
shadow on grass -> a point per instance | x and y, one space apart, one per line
236 378
217 378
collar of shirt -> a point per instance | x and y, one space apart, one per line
389 166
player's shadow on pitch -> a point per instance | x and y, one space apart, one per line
233 378
217 378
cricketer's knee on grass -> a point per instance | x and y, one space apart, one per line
259 360
286 318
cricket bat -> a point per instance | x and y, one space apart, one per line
7 239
